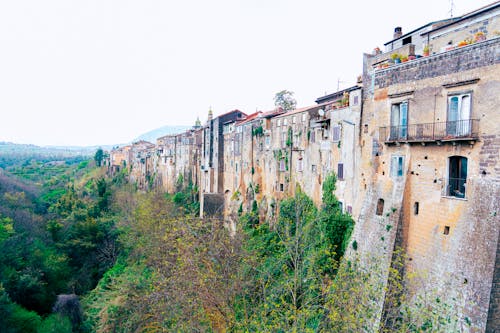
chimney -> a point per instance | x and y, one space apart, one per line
398 32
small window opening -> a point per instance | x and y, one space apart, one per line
281 187
380 207
446 230
415 208
407 40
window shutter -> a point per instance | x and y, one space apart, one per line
336 133
394 161
340 171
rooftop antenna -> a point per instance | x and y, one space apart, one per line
452 5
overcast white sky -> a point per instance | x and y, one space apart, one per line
94 72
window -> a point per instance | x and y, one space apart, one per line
340 171
300 165
278 124
281 187
415 208
313 135
399 121
380 207
303 117
335 133
458 118
341 206
268 141
282 165
283 139
313 168
285 121
446 230
349 210
294 119
407 40
397 163
237 146
355 100
457 176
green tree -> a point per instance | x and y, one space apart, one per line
98 157
285 100
338 225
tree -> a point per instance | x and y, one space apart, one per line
98 157
284 99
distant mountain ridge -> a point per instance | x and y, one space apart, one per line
152 135
9 148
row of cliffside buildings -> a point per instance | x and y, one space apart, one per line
415 146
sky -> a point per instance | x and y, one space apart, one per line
95 72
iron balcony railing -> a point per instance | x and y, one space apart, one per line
443 131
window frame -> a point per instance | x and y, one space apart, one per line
460 126
399 120
456 187
397 166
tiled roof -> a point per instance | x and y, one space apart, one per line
249 118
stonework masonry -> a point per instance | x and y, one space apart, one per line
415 147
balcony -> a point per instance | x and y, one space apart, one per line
431 132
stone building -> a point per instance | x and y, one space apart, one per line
119 159
179 159
416 152
212 162
142 164
430 165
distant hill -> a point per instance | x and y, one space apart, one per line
151 136
14 154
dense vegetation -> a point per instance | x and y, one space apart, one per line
83 252
57 236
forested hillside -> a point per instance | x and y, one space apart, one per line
57 237
83 252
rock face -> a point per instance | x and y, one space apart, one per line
69 305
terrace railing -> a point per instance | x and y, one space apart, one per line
428 132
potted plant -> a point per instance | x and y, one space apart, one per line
377 51
396 58
479 36
426 50
404 58
412 57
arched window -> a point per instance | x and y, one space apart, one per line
457 176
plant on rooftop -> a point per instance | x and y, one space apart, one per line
479 36
426 50
396 57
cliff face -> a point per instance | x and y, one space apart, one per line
416 153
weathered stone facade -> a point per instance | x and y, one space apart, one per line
416 151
